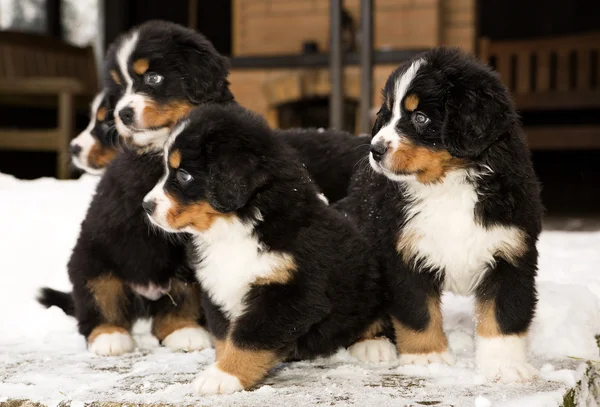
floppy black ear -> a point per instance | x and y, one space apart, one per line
206 72
233 183
476 117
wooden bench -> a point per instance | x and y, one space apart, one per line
43 72
551 74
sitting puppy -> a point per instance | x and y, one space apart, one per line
451 202
286 276
96 146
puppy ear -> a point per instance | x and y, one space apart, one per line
206 72
477 117
233 183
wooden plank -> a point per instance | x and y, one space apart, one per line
562 70
40 86
561 138
30 140
558 100
503 67
66 123
542 71
583 68
523 72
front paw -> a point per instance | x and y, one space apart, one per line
508 373
187 339
504 359
373 351
215 381
108 343
427 358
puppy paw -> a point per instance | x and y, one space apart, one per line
427 358
215 381
504 359
373 351
508 373
187 339
111 344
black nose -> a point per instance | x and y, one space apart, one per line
149 206
126 116
378 150
75 149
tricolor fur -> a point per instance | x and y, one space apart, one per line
95 147
451 202
285 276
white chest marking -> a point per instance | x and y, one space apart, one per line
231 261
442 233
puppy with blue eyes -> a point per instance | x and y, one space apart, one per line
285 276
451 203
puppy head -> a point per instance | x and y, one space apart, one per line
440 112
95 147
158 72
217 161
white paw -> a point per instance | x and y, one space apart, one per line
508 373
112 344
215 381
504 359
374 351
427 358
187 339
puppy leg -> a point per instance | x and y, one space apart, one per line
177 318
237 368
418 327
373 346
505 305
105 315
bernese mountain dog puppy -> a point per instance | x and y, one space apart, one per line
96 146
285 275
451 203
119 269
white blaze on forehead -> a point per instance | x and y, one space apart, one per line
169 143
402 86
123 55
387 133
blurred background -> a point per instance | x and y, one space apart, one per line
316 63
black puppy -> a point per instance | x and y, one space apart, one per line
451 202
285 275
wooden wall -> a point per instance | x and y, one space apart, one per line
266 27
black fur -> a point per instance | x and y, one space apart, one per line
240 167
473 118
49 297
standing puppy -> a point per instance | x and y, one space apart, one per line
285 275
451 202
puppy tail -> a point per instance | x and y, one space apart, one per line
49 297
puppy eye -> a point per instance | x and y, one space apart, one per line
152 78
421 119
183 177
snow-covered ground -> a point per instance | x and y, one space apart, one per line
42 358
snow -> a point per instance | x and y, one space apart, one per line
44 359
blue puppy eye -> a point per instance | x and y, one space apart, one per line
152 78
420 118
183 177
